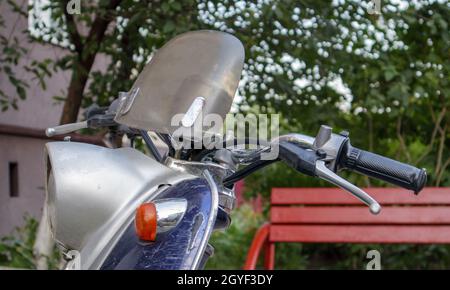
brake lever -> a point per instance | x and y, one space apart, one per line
324 173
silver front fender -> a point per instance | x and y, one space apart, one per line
93 192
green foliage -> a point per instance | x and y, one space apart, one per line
353 256
231 246
394 69
16 250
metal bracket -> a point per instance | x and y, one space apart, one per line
126 101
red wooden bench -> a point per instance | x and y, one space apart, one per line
330 215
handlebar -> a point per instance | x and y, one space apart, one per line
64 129
96 117
338 151
383 168
323 155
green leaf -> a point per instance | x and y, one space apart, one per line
390 73
176 6
165 7
21 92
169 26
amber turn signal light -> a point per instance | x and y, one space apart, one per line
146 222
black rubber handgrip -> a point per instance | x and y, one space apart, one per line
384 168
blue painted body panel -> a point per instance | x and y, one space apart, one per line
176 249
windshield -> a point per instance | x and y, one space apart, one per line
196 73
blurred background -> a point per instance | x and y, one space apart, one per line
379 69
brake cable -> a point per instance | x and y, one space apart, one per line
151 146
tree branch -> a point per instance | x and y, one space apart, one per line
441 173
433 135
101 23
402 140
440 150
85 62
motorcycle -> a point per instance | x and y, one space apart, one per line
119 208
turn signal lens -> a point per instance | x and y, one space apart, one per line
146 222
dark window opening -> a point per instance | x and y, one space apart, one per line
13 179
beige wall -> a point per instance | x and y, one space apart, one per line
28 154
38 111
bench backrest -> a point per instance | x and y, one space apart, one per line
331 215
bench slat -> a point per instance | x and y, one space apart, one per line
434 215
361 234
337 196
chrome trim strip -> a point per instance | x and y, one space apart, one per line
193 112
211 219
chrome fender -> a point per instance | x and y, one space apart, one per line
92 193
